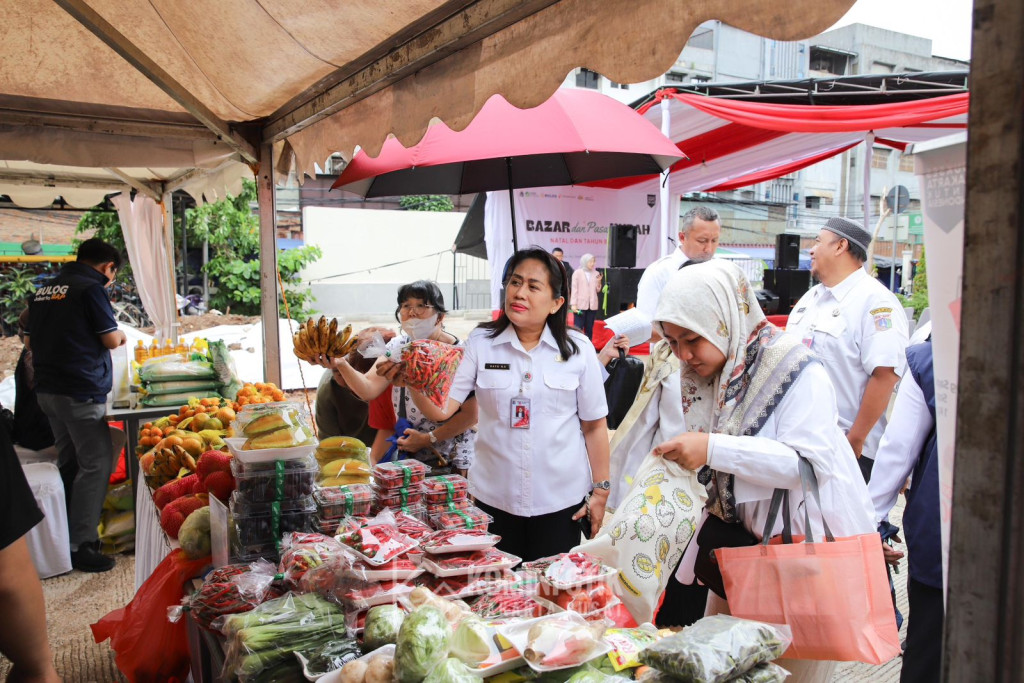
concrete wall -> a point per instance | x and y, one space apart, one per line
368 254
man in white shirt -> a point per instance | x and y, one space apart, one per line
859 331
699 233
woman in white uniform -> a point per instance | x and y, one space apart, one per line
541 461
754 400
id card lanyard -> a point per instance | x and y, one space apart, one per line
519 410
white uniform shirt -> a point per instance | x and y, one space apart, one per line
654 279
804 424
854 327
900 447
543 469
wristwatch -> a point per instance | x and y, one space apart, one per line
604 485
433 439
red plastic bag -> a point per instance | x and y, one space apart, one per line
148 646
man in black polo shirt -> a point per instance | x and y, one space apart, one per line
72 331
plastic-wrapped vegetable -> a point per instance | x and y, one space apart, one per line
717 649
175 368
422 644
769 672
382 625
331 656
452 670
430 368
471 642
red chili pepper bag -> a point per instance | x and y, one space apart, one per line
430 368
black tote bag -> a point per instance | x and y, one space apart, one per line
625 374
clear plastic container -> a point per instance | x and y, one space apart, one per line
277 480
344 501
470 518
491 561
403 473
434 510
445 488
397 498
258 526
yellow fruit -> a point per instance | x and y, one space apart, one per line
345 480
213 423
345 466
193 445
199 422
266 424
282 438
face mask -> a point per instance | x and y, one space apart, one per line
420 328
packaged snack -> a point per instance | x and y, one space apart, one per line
262 482
445 488
429 368
508 604
717 649
403 473
476 562
458 540
343 501
377 544
470 518
626 645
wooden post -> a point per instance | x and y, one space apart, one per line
268 267
171 332
985 605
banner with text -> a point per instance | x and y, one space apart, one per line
575 219
942 172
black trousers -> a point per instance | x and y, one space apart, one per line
585 321
866 465
534 537
683 604
922 659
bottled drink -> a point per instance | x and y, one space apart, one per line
154 349
141 352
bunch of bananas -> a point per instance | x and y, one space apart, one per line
166 465
322 338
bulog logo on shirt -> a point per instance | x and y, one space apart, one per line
52 293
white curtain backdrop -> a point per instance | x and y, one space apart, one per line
142 222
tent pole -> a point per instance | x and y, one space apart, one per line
268 266
666 231
869 144
512 205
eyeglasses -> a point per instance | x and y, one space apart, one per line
417 310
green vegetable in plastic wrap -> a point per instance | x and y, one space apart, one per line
382 625
471 642
422 644
452 670
716 649
332 655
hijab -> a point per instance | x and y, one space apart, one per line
715 300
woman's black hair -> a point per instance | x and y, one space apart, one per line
425 291
559 282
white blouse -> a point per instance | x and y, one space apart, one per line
805 424
544 468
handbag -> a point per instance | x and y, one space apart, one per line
625 374
716 533
834 595
429 456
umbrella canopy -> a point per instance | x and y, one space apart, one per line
576 136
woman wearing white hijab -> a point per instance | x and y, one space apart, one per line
583 296
754 401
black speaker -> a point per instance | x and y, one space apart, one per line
788 285
622 245
787 252
622 284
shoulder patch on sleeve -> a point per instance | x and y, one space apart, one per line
879 311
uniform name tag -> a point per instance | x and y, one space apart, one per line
496 366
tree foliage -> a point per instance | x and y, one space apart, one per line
232 230
426 202
919 297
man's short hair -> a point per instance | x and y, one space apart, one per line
702 212
94 252
856 251
557 250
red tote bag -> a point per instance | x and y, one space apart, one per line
833 595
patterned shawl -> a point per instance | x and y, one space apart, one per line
715 300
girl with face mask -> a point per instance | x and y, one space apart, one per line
444 445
